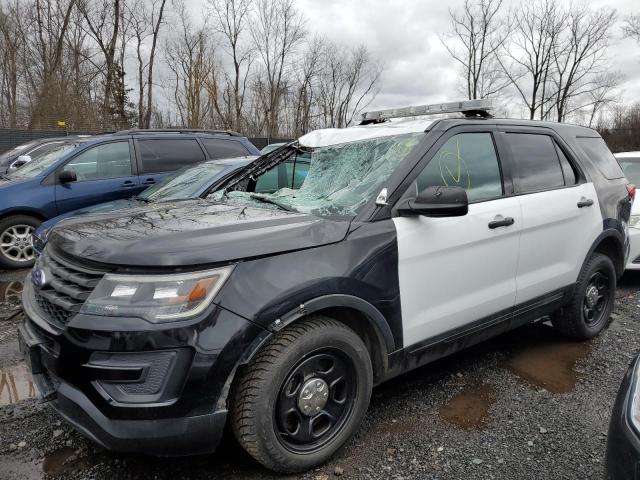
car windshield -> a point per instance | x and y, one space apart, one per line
631 169
16 151
36 166
340 180
185 183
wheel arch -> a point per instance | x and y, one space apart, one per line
23 211
358 314
610 243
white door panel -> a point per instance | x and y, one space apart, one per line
456 270
556 237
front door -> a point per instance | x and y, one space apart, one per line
103 173
456 270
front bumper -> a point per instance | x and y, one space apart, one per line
634 249
623 442
186 412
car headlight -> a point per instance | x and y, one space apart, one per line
157 298
634 221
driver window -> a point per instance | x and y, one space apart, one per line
466 160
110 160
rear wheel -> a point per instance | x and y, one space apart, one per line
592 301
303 396
16 245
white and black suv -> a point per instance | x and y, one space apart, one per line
408 239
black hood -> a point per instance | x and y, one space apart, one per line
191 233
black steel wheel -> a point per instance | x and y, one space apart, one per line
591 303
596 298
315 400
303 395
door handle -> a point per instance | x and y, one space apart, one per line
149 181
128 183
504 222
585 202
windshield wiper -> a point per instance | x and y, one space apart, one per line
273 202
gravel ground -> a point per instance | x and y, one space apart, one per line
526 405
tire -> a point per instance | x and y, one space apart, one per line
16 248
574 319
267 398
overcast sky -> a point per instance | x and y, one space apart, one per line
405 36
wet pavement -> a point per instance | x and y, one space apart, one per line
527 404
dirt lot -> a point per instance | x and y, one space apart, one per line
526 405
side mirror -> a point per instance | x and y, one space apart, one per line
66 176
436 202
20 161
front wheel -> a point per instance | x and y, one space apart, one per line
303 396
592 301
16 245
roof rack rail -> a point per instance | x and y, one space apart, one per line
471 108
141 131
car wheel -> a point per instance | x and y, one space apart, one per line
592 302
16 247
303 395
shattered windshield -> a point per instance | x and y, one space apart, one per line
185 183
340 180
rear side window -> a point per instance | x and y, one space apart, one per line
601 156
220 148
537 166
570 177
166 155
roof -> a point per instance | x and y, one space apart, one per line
635 155
394 126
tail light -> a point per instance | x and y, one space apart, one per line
632 191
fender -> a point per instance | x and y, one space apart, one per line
619 238
374 316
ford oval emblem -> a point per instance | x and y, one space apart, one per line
38 278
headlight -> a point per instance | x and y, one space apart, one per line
634 221
155 298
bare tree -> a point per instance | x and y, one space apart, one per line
347 84
478 32
632 27
189 56
579 58
231 22
103 19
277 30
11 43
49 46
527 60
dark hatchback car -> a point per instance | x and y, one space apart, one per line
95 170
407 240
623 439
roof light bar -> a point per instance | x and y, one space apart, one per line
467 106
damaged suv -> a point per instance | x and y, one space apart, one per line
411 237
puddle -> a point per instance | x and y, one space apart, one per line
16 384
549 362
62 461
469 409
10 292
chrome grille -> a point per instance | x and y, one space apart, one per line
66 289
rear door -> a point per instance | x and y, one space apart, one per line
560 213
454 271
159 156
104 172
